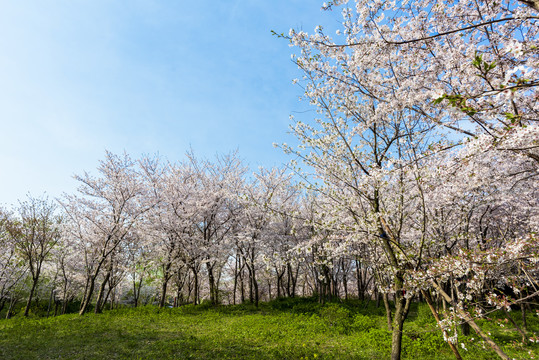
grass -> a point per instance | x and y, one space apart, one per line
287 329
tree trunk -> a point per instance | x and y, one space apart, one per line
65 304
344 281
90 287
163 297
396 336
358 281
180 283
30 296
88 297
510 318
64 297
50 302
12 303
251 294
164 284
402 305
255 286
110 292
388 312
253 283
98 306
213 288
100 302
279 281
288 280
135 292
295 281
235 280
195 286
463 314
137 286
465 328
428 299
86 288
242 287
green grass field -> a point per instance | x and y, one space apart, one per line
287 329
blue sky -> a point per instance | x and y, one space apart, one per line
145 77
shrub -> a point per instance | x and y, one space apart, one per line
307 308
336 317
363 323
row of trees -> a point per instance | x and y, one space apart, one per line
418 179
146 230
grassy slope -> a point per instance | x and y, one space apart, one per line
295 329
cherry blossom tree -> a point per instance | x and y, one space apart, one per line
400 77
102 216
266 198
34 233
218 185
12 269
170 222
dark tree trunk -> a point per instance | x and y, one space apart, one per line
110 293
195 286
428 300
466 316
465 328
251 293
90 286
235 279
360 293
388 312
86 301
50 302
510 318
242 286
279 282
30 296
253 283
213 287
164 284
86 289
64 306
137 285
344 280
13 301
98 305
402 305
288 280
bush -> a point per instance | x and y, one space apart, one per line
363 323
336 317
307 308
284 304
